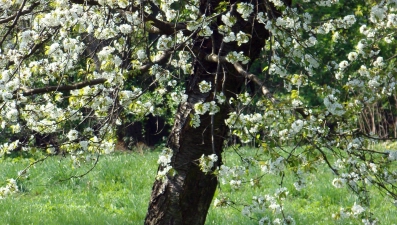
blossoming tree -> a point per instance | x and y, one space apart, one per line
72 70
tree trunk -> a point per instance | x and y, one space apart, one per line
185 197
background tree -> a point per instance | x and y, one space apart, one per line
74 70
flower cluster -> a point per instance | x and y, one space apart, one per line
354 211
277 3
10 188
245 126
165 162
207 163
183 62
245 9
205 86
231 175
333 106
203 107
261 203
178 97
274 167
7 148
221 202
228 20
220 98
195 120
234 57
164 43
126 97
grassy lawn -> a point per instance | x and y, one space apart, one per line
314 204
117 191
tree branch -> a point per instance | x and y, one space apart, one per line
265 91
17 15
28 92
88 2
160 27
30 9
240 70
161 60
255 79
164 27
166 54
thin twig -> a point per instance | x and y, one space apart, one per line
82 175
22 172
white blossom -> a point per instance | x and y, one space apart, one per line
379 62
343 65
352 56
357 209
207 162
297 126
228 20
277 3
245 9
125 28
204 86
229 37
201 108
241 38
213 108
72 135
338 182
333 106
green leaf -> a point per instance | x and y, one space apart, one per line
294 94
222 7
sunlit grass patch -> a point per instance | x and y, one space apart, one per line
318 203
116 191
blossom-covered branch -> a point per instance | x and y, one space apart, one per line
255 79
28 92
17 15
157 26
20 13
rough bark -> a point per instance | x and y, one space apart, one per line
185 198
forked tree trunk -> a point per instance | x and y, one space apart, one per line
185 198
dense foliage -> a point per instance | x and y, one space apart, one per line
72 71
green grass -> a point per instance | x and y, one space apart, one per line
117 191
313 205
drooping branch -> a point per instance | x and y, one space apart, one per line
252 77
23 172
265 90
23 12
255 79
28 92
239 68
